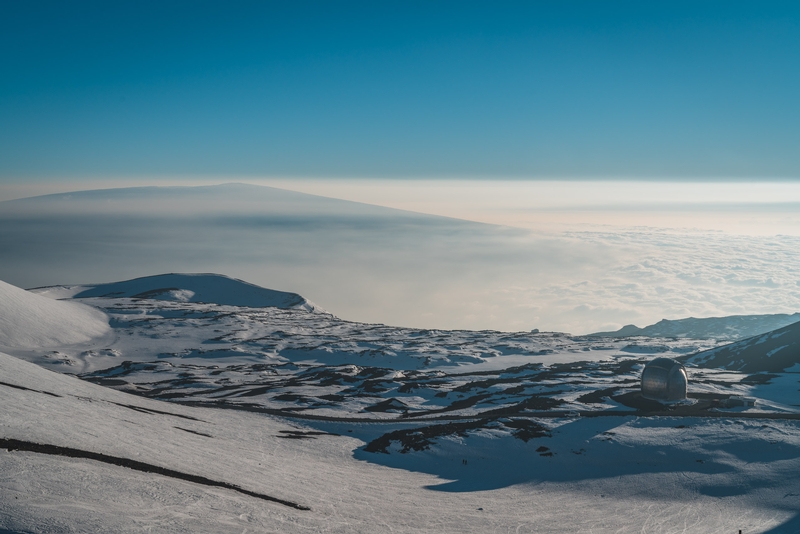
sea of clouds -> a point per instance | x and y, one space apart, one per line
374 264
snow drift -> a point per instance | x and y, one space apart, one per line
208 288
28 320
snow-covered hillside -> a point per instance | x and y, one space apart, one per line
194 416
32 321
210 288
177 332
770 352
728 328
76 457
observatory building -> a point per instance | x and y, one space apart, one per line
664 379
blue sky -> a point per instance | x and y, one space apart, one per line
400 89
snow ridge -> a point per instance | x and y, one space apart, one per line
731 327
186 287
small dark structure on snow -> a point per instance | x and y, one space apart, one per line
664 379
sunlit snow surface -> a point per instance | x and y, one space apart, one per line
380 428
615 474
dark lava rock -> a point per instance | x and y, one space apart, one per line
389 405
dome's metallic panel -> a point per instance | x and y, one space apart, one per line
664 379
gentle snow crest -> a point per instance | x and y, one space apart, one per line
28 320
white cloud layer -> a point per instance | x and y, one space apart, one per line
651 274
377 265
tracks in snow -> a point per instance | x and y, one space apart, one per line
29 446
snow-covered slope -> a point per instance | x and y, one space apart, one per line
615 474
722 328
381 429
209 288
772 352
32 321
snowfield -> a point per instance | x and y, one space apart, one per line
625 473
167 413
32 321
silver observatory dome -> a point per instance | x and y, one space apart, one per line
664 379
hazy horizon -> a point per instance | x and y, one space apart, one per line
369 263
